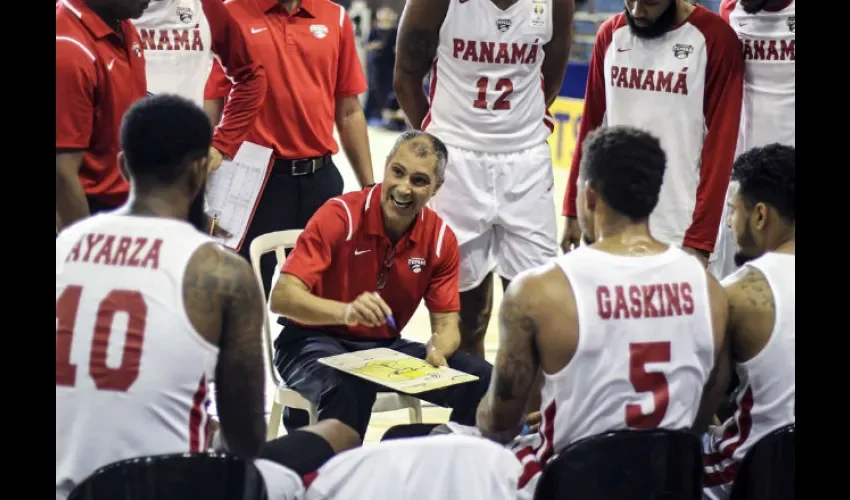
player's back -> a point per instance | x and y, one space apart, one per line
486 88
645 345
769 43
131 370
767 392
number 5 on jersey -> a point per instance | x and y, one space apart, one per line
641 354
105 378
503 85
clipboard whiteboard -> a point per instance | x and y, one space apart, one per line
397 371
234 190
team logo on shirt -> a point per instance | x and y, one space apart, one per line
319 30
416 264
185 14
137 49
792 23
682 50
503 24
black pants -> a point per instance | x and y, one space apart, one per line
288 202
349 398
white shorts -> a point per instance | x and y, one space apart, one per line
502 210
281 482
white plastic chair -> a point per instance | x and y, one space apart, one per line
279 242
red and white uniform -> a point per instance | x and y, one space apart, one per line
489 108
767 395
769 45
425 468
131 371
181 38
685 88
644 353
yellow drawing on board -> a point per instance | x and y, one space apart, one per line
396 370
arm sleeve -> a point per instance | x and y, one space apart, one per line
218 85
314 248
442 295
593 115
76 80
248 77
350 80
724 90
726 8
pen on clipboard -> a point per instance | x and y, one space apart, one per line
212 225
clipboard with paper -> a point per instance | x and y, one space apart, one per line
234 189
397 371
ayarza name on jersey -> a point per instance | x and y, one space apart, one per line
657 300
173 39
113 250
494 52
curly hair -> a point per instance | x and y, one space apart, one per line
766 175
626 166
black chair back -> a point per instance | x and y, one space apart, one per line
657 464
768 471
183 476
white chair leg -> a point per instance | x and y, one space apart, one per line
414 408
314 414
273 428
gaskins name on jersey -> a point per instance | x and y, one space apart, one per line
494 52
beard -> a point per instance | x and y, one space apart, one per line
197 214
661 25
754 6
746 243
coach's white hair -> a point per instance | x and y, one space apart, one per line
438 149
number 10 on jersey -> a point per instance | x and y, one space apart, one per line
503 85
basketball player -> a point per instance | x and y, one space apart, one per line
675 70
180 39
149 311
496 66
767 32
762 301
624 329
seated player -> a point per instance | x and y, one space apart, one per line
354 279
624 329
150 311
762 300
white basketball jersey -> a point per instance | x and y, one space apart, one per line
426 468
769 43
486 89
131 371
178 48
767 395
645 347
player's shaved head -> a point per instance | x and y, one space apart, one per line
764 207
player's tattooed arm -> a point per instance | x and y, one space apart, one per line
418 39
753 312
558 49
225 304
501 411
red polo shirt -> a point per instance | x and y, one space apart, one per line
341 252
311 60
98 77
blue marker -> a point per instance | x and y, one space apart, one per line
525 430
391 321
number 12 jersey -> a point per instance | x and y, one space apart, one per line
486 89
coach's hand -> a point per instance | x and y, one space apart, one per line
435 356
701 255
572 235
215 159
368 309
